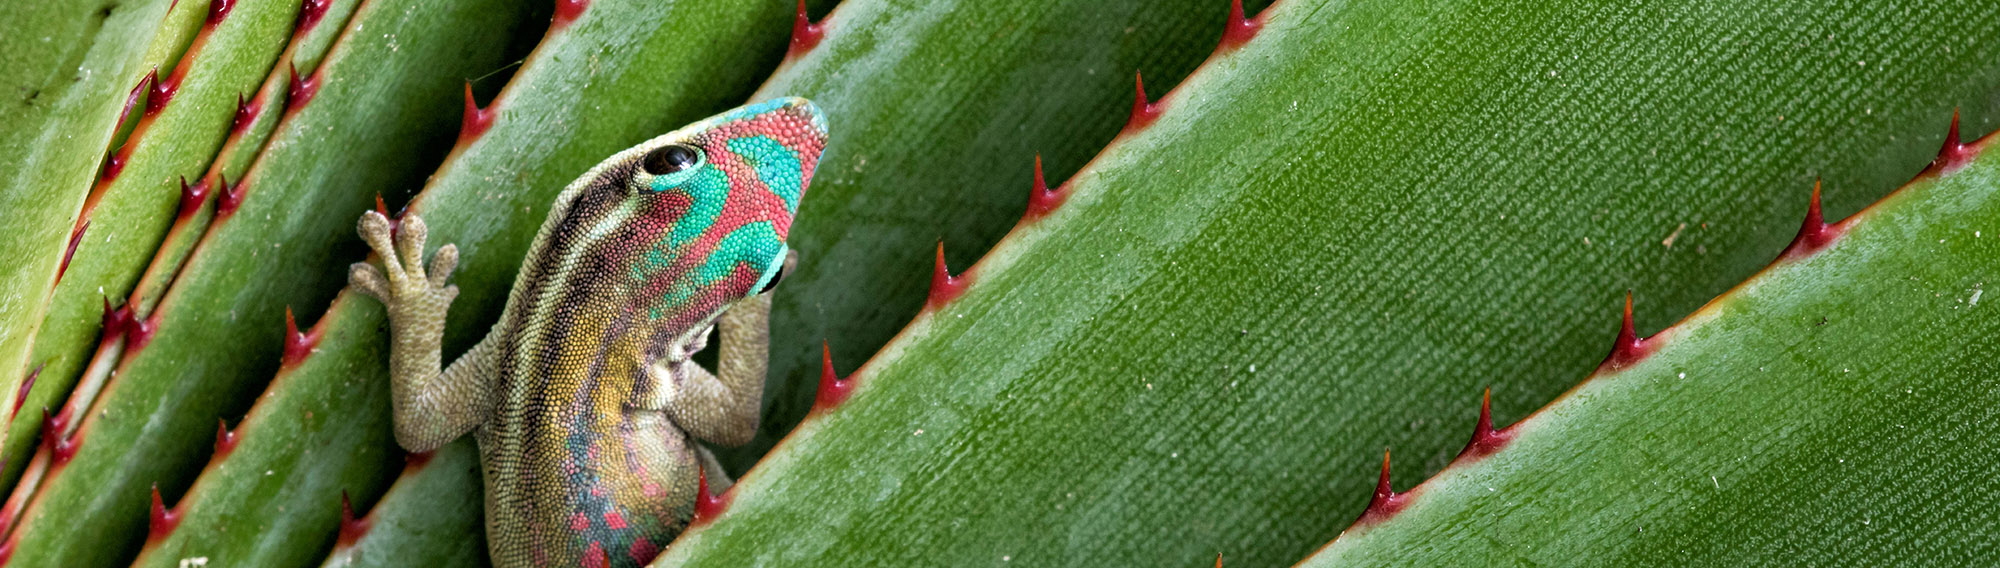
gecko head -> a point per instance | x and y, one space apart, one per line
695 219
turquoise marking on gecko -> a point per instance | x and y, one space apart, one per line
589 412
777 167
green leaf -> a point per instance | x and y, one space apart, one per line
938 112
66 76
184 122
1332 237
386 106
1833 408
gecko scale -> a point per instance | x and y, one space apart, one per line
583 398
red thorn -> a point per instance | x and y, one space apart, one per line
475 122
1041 200
1385 503
1485 440
417 460
833 390
140 333
310 12
246 112
298 345
707 506
21 394
115 164
301 90
218 10
643 551
1815 234
228 198
75 238
192 197
132 99
805 33
944 286
1218 560
567 11
60 448
1143 113
162 92
1953 155
1239 30
115 321
7 549
225 440
1629 348
164 520
351 528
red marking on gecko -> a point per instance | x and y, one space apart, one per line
192 197
1953 155
944 286
1239 29
707 506
1041 200
163 521
1143 112
567 11
75 238
643 551
594 557
1629 348
1485 439
228 198
351 527
805 33
1385 503
21 394
301 90
298 345
614 521
474 123
579 522
310 12
225 440
833 389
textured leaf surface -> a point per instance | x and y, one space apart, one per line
65 77
1831 410
938 111
1329 240
131 212
220 328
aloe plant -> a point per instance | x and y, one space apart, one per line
1347 221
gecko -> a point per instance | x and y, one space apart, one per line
583 398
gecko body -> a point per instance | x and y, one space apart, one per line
583 398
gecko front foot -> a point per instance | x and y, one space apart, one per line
415 297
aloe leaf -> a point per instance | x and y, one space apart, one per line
363 122
67 75
554 121
187 114
999 84
1833 408
1364 214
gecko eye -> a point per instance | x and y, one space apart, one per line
669 159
